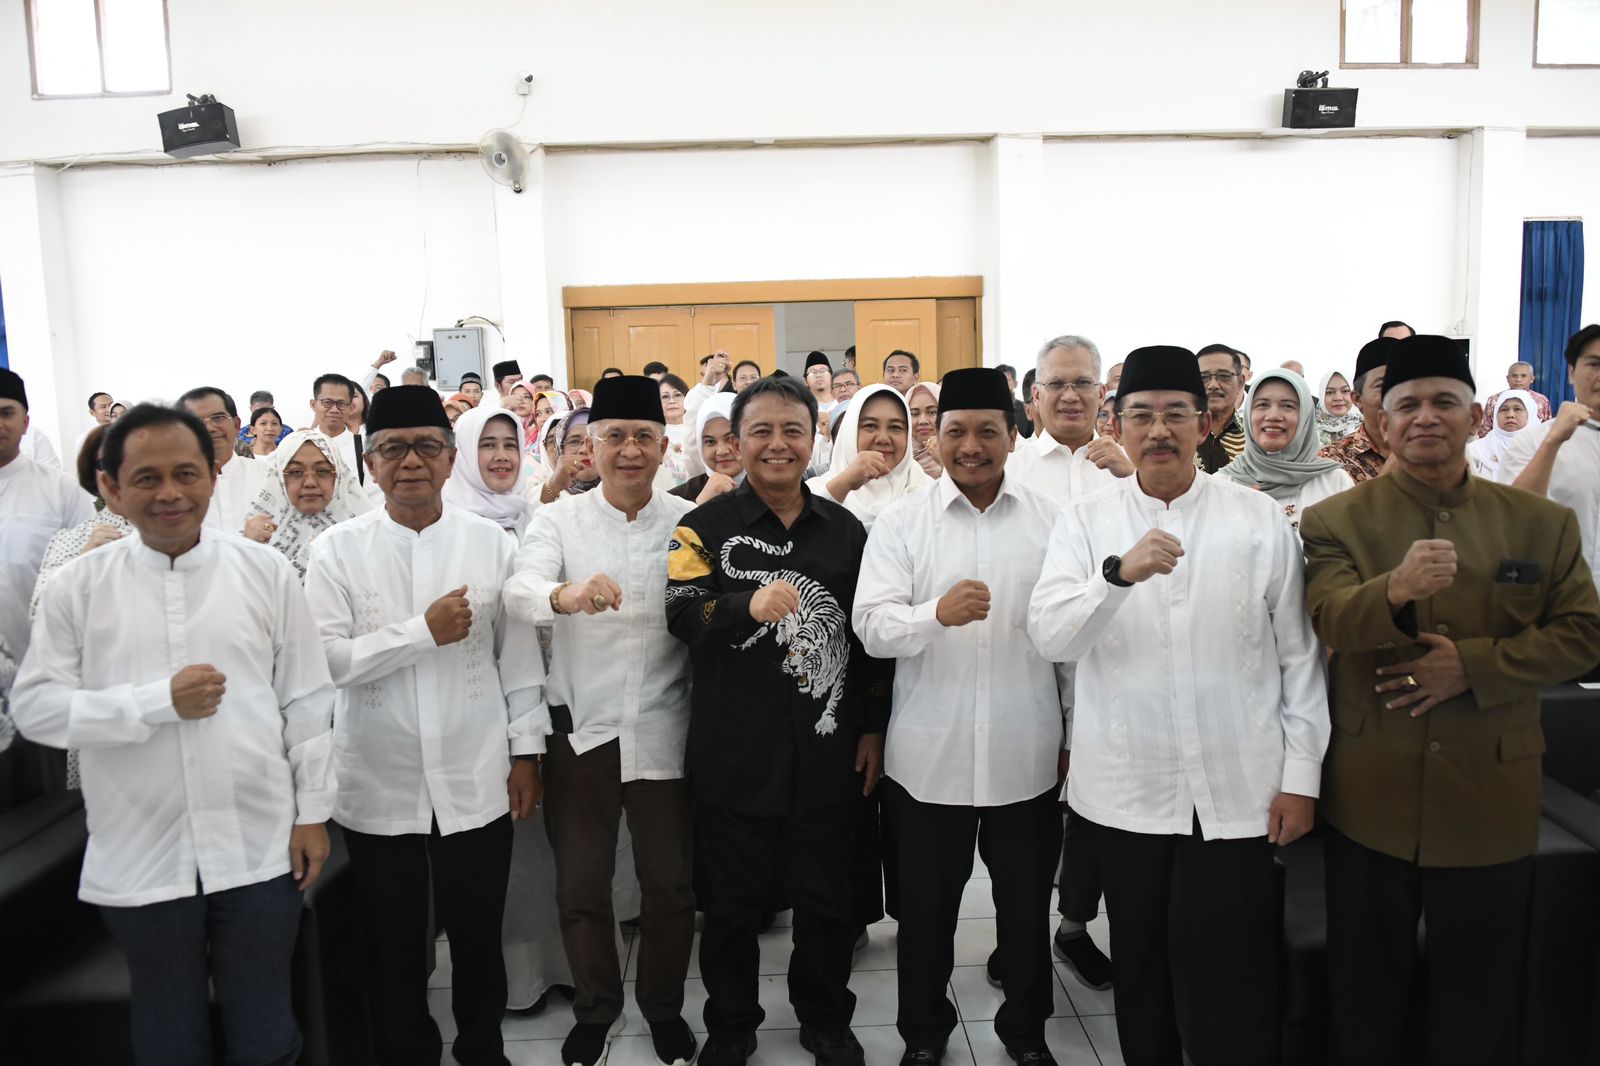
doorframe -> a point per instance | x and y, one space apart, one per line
574 297
812 290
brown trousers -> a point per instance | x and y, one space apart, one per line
584 798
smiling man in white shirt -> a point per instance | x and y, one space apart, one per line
974 751
239 480
593 568
1200 718
1065 461
36 503
440 713
186 670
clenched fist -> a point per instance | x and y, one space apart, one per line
716 485
449 617
597 594
1157 552
1107 454
1568 418
259 528
1429 567
197 691
385 357
774 602
967 601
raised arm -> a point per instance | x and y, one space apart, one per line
1073 603
356 660
889 624
698 609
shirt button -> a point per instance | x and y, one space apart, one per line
1434 746
1444 516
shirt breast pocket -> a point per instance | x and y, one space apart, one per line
1520 605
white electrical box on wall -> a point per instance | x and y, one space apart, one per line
457 351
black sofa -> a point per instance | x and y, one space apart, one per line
64 994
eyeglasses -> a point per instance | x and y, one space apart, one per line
1083 386
333 405
221 418
427 448
1144 419
321 473
615 438
1221 377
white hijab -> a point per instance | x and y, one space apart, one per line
297 530
869 501
1490 448
465 487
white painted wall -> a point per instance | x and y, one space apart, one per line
264 277
309 72
1285 249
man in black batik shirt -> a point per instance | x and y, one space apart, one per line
786 725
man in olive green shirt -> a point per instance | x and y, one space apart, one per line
1448 602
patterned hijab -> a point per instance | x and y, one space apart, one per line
557 428
296 530
1335 427
1279 474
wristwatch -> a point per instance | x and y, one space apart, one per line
1111 570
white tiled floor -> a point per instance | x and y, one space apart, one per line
1081 1032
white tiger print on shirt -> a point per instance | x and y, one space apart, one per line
818 650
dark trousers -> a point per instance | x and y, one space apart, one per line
469 872
584 799
1020 842
1080 872
737 856
1477 921
1195 947
240 940
875 863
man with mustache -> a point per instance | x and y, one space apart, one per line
1197 732
1446 616
1222 373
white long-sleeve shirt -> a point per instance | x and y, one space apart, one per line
979 715
423 731
1574 479
239 482
36 503
1047 466
37 445
620 673
1200 692
171 801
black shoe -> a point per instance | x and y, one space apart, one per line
675 1045
588 1043
1035 1056
1086 961
990 973
728 1049
837 1048
923 1056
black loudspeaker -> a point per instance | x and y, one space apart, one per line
1319 109
205 127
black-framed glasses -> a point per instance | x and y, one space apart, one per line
427 448
1221 377
333 405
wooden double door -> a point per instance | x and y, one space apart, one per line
942 333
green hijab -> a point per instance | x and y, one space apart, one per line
1280 474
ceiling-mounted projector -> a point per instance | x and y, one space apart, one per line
205 127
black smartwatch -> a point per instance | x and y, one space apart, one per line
1111 570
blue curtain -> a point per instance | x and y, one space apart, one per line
1552 302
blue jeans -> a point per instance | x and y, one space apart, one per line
240 940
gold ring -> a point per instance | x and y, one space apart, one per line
599 602
1412 682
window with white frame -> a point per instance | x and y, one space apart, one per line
98 47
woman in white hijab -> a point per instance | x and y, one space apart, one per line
308 491
872 465
488 469
1280 452
1513 412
